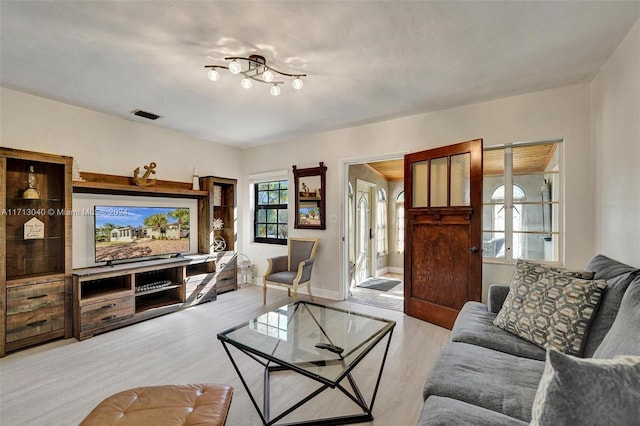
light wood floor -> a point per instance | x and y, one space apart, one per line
392 299
60 382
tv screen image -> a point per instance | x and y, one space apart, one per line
123 232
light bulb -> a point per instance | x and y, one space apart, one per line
213 75
235 67
267 76
297 83
246 83
275 90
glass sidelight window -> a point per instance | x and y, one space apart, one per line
381 223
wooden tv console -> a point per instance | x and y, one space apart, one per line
109 297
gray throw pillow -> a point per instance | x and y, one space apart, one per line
608 310
550 307
575 391
623 337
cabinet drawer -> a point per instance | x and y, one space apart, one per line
28 298
196 280
202 292
39 321
225 274
226 282
98 314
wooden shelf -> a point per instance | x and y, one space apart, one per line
98 183
156 303
156 290
36 266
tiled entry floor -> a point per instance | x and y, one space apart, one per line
392 299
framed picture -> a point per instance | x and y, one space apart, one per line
310 199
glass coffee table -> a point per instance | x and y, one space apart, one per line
322 343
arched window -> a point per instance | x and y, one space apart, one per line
400 224
381 223
497 199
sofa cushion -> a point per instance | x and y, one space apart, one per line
607 268
576 391
624 336
440 411
474 325
486 378
496 297
608 310
550 307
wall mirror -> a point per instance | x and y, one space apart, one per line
310 197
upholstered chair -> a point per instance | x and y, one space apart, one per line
293 270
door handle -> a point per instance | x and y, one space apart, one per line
474 249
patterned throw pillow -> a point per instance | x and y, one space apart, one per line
577 391
549 306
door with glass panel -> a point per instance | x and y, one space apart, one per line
443 231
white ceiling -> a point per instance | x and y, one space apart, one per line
366 60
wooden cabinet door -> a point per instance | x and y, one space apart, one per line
443 231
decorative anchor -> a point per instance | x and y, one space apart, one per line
144 180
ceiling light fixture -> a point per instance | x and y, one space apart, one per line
256 69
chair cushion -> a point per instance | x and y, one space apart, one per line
299 251
575 391
285 277
203 404
550 307
474 325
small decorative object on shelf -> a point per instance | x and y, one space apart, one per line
219 244
31 192
217 195
217 224
144 180
196 180
33 229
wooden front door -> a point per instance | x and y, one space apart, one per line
443 231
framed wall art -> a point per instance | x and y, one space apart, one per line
310 199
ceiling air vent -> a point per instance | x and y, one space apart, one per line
145 114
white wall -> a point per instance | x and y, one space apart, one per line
559 113
106 144
615 100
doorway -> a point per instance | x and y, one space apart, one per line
373 252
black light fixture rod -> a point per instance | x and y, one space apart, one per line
262 64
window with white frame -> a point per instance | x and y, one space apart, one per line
381 223
521 205
400 224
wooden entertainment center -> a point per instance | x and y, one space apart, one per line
43 298
109 297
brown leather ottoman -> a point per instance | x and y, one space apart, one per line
204 404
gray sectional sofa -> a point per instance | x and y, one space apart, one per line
487 376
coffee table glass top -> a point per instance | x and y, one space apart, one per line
288 336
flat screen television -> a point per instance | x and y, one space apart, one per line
124 233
